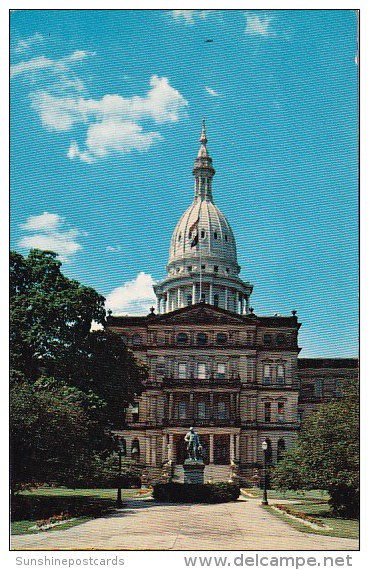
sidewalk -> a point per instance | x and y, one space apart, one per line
147 525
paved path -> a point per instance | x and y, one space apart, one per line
147 525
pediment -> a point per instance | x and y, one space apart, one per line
198 314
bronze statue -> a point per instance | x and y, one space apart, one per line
194 447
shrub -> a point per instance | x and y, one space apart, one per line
344 500
196 493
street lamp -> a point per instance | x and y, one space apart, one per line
121 451
264 447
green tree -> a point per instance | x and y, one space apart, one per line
326 454
51 338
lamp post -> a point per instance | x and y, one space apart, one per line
264 446
121 450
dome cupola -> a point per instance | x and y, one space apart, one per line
202 265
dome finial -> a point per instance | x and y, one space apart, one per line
203 139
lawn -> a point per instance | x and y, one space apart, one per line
45 502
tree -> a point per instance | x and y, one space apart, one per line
75 380
326 455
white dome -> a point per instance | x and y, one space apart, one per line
216 239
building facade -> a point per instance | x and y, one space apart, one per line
213 363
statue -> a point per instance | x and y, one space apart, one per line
194 447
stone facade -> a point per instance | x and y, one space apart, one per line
213 363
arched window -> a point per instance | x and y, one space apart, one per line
202 233
201 409
135 449
182 338
215 235
226 237
222 338
201 339
179 237
182 410
136 339
281 447
269 452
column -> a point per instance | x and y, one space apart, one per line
247 303
164 448
241 305
231 446
226 297
232 406
170 447
178 298
211 450
153 449
211 302
192 410
211 406
237 451
170 415
168 301
148 450
193 293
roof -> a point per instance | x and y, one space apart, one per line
327 363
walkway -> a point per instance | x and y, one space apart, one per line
147 525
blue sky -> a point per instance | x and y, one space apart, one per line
106 111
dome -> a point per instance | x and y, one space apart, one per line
202 265
215 237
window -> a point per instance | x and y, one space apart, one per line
281 339
189 268
318 388
268 339
227 269
202 339
280 417
267 412
216 268
216 300
281 447
226 237
221 410
189 299
179 237
215 235
221 370
182 338
201 370
189 235
136 339
201 410
338 389
135 449
167 337
135 412
280 374
182 370
203 266
182 410
267 378
124 338
202 233
222 338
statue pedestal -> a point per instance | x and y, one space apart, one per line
193 471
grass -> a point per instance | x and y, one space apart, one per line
313 496
44 502
338 527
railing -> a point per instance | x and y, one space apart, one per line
199 422
213 381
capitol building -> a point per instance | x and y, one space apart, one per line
235 376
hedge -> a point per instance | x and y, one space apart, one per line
196 493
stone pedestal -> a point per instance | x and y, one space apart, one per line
193 471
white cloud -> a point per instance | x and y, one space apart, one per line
212 92
189 16
48 232
112 122
257 25
113 248
41 63
24 45
133 297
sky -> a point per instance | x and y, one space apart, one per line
106 110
